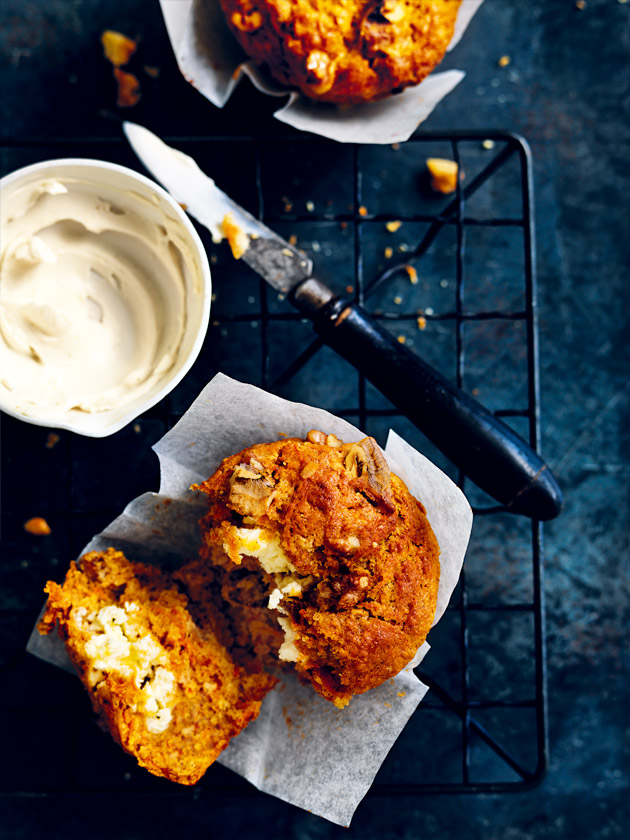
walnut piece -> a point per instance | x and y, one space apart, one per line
393 11
365 458
248 22
320 71
315 436
344 592
250 491
309 469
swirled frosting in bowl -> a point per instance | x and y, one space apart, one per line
104 295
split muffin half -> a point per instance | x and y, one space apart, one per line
342 551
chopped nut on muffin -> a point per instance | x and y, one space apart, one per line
344 51
344 552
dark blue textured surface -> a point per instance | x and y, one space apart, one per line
566 89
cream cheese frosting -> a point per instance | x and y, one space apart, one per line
93 297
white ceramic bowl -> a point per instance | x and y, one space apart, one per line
150 203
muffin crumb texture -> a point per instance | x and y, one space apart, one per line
162 684
344 51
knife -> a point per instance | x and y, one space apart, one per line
488 451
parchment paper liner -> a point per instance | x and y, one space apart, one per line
212 61
326 758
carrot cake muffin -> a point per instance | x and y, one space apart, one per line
164 686
344 51
346 555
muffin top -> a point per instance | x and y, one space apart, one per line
347 553
344 51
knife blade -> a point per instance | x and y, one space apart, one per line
488 451
277 261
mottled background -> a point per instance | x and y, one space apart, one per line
566 89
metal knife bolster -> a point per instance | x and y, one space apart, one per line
311 296
326 309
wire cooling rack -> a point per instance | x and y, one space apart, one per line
491 747
454 278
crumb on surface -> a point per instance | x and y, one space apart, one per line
237 239
128 88
444 174
413 274
37 526
118 48
393 226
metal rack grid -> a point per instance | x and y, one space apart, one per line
508 772
454 213
466 708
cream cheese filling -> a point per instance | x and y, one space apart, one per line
288 651
289 585
265 547
116 644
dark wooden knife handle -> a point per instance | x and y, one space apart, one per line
486 449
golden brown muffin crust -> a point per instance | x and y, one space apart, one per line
362 564
344 51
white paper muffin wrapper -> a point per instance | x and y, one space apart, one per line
212 61
301 748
